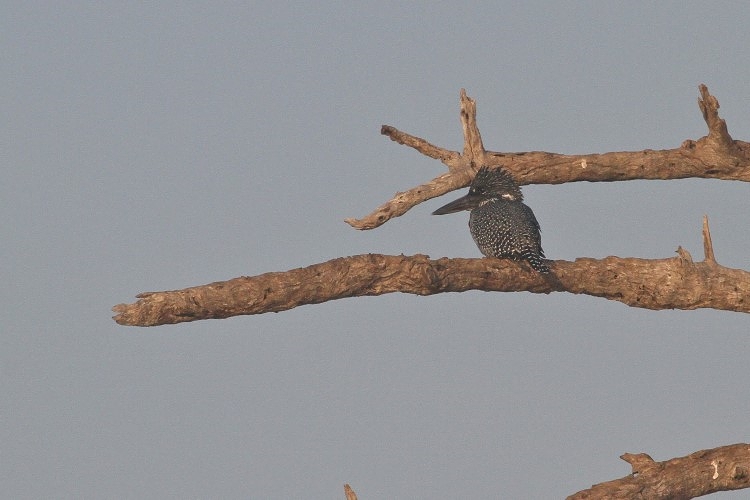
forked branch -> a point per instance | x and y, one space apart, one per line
716 155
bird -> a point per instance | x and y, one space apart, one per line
500 223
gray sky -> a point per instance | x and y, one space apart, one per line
158 147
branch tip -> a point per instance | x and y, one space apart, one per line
349 492
473 146
708 246
717 127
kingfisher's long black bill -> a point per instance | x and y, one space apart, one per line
467 202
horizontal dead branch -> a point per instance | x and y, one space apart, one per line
716 155
700 473
674 283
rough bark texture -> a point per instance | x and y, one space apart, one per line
675 283
700 473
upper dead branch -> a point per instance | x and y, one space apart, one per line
716 155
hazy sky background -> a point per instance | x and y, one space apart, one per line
158 146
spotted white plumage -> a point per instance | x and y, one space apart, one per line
508 229
500 223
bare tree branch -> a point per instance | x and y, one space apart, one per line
716 155
700 473
725 468
674 283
